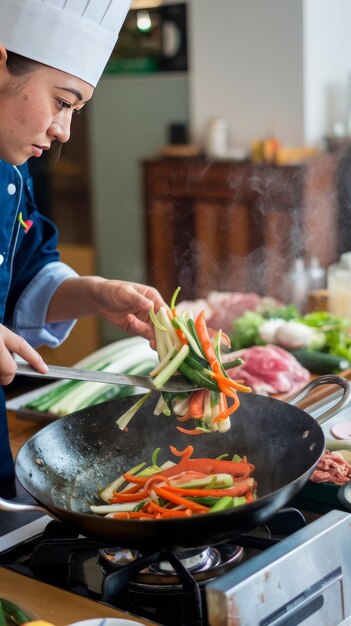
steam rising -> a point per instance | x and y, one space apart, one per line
245 235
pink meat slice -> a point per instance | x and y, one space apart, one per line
268 370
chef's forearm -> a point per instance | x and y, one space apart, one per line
74 298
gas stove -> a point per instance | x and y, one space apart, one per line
285 573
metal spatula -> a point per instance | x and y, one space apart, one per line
176 384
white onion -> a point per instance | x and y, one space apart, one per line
293 335
268 329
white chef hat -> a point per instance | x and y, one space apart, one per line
75 36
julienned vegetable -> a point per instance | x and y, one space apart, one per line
185 345
320 362
129 356
189 487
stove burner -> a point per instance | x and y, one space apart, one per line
204 564
163 586
193 561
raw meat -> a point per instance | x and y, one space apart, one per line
268 370
332 468
223 307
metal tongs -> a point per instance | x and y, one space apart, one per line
176 384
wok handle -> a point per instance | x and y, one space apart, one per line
328 379
14 507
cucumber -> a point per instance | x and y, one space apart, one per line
320 362
202 377
196 362
13 613
234 363
222 505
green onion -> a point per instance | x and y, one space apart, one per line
107 493
181 324
171 367
155 321
154 456
174 298
124 420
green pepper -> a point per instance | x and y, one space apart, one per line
13 613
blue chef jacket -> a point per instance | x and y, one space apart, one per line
30 273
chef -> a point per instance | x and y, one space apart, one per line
52 54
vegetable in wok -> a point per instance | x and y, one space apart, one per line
186 345
191 486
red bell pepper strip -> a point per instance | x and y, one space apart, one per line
186 453
210 466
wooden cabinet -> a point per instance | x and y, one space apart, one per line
234 226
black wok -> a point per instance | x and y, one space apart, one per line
64 465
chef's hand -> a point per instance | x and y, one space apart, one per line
119 302
11 343
127 305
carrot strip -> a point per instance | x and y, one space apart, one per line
129 497
197 403
141 480
229 411
204 337
181 336
132 489
249 496
175 499
156 478
153 506
172 313
185 418
193 431
132 515
123 496
173 513
169 512
230 382
138 480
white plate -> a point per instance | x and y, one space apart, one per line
108 621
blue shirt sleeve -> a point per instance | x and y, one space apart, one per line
29 318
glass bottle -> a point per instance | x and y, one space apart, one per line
339 286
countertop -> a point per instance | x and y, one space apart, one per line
55 605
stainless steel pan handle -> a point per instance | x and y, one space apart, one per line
14 507
328 379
